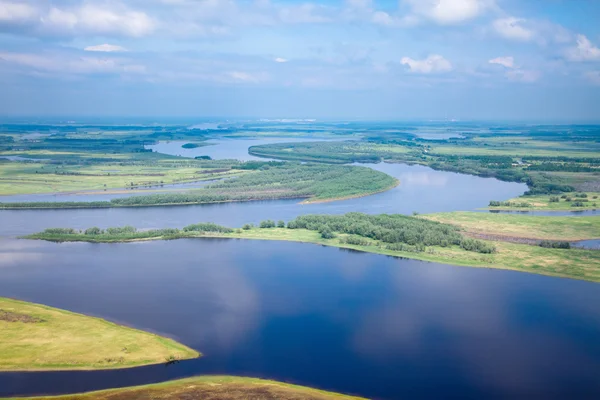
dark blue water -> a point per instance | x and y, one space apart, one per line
592 244
421 190
351 322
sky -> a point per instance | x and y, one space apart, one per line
359 59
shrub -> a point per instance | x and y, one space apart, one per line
93 231
247 227
267 224
281 224
577 204
60 231
554 199
326 233
121 230
207 227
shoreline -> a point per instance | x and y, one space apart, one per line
448 256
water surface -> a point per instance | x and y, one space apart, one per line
345 321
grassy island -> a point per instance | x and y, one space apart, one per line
209 387
264 181
395 235
37 337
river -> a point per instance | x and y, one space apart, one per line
351 322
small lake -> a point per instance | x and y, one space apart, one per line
351 322
226 149
421 190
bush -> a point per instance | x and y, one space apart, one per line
267 224
554 199
93 231
577 204
60 231
207 227
121 230
281 224
326 233
247 227
581 195
356 240
477 246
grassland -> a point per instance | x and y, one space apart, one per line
33 177
523 226
570 263
38 337
209 387
268 182
543 203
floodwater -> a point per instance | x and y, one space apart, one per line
351 322
421 190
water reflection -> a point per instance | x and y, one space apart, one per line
357 323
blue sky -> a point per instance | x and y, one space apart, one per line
406 59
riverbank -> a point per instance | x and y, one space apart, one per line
581 201
569 263
209 387
36 337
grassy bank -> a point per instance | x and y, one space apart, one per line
566 202
209 387
38 337
523 226
571 263
266 181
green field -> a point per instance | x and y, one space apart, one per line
30 178
523 226
38 337
209 387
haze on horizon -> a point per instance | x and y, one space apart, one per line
366 59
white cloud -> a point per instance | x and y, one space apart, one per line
65 64
84 18
434 63
593 77
584 50
508 62
16 12
246 76
512 28
447 12
108 48
281 60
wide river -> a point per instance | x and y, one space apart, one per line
352 322
345 321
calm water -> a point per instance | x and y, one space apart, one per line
345 321
236 149
421 189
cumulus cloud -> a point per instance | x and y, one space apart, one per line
583 51
447 12
16 12
84 18
508 62
434 63
281 60
512 28
108 48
